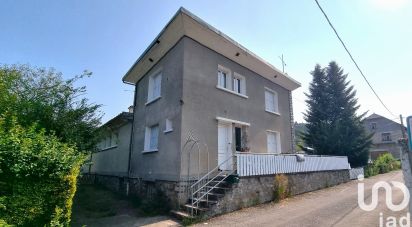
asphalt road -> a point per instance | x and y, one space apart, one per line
335 206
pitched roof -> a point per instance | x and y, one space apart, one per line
119 120
184 23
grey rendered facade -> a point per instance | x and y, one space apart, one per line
191 100
386 135
112 156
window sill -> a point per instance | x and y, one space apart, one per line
272 112
107 148
153 100
232 92
150 151
168 130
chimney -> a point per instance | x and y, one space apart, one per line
131 109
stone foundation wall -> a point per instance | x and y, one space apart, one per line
134 186
255 190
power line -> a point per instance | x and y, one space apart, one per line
353 60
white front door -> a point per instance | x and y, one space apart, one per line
225 146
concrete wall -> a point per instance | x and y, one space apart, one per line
251 191
113 161
203 102
165 163
384 125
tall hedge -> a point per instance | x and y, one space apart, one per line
38 176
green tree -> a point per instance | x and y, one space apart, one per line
42 96
334 128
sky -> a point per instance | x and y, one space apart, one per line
106 38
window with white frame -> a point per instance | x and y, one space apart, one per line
151 138
239 84
271 101
111 140
169 126
155 84
386 137
223 77
273 142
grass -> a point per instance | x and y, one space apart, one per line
93 201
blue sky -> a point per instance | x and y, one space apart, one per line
106 37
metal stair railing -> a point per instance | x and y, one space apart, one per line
199 190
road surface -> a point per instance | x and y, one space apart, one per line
335 206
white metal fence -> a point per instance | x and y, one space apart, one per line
355 172
253 164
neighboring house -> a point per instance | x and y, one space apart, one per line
386 135
112 155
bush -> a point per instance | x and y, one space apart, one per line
281 187
383 164
38 176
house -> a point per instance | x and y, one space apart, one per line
386 135
112 154
206 110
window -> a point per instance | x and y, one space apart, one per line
273 142
169 126
386 136
271 101
236 85
222 75
155 83
151 138
373 125
239 84
232 83
111 140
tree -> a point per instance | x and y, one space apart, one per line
42 96
334 128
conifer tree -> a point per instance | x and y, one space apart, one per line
334 128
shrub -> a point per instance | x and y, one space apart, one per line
281 187
38 176
383 164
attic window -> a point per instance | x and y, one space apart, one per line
373 125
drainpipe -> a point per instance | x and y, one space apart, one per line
131 139
292 128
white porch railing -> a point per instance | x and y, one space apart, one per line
253 164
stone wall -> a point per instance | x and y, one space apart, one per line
255 190
134 187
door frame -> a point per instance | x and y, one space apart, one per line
229 150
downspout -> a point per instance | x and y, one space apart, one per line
131 138
292 123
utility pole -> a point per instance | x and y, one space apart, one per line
283 63
402 127
406 160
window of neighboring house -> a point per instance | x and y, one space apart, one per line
155 84
273 142
151 138
223 77
373 125
115 139
169 126
271 101
386 136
